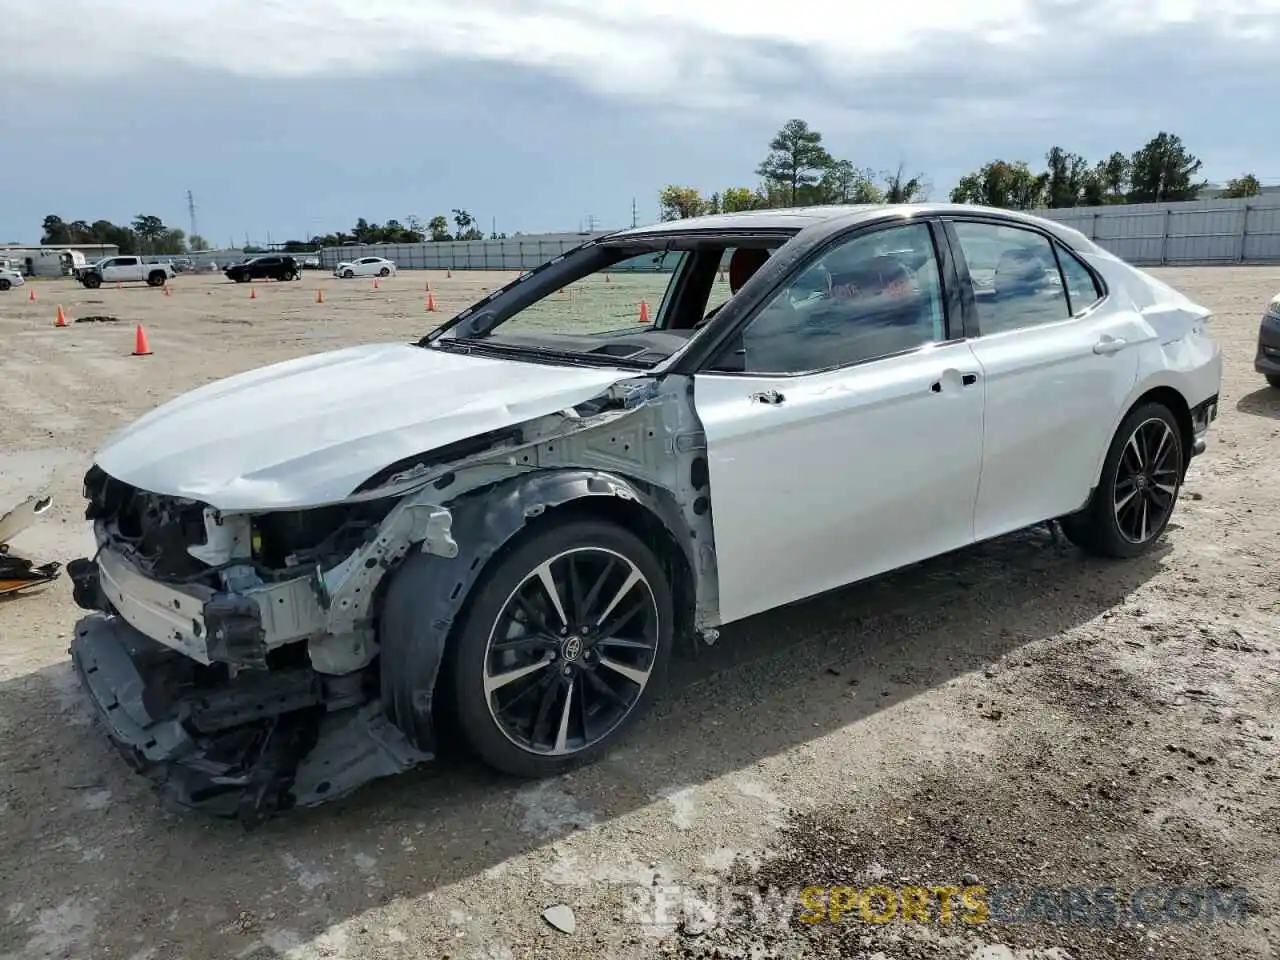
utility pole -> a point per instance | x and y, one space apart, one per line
191 212
591 223
634 213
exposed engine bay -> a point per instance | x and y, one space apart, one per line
235 656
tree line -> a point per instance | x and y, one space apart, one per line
436 230
147 234
1162 169
799 171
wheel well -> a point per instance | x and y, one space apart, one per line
1177 405
642 522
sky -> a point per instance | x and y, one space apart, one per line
287 119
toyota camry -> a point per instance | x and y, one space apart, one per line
307 574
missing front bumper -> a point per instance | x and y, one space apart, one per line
156 712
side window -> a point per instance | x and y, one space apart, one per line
1082 289
874 295
1015 276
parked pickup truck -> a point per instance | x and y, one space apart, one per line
125 270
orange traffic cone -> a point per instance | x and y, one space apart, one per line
644 311
606 279
319 295
119 285
375 283
722 276
140 346
253 294
61 319
167 291
31 295
449 274
431 302
427 287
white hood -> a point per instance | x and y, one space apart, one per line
309 431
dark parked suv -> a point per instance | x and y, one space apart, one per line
269 267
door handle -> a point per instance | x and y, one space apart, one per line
966 379
771 397
1109 345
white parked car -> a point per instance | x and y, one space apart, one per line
517 519
365 267
10 275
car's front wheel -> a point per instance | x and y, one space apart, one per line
348 274
1273 380
1138 489
5 284
384 272
565 644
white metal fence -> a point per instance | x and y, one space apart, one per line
1195 232
515 253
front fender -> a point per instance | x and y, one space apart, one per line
428 592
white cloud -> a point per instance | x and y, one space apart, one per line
672 50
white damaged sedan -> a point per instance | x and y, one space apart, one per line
512 523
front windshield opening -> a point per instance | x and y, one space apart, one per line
613 299
631 303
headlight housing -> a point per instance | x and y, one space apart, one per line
1273 308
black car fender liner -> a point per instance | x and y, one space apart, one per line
427 592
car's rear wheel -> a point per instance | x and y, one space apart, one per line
1273 380
565 644
384 272
1138 489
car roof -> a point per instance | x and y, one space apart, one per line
845 215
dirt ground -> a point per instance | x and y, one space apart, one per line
1012 715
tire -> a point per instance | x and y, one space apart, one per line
240 278
348 274
1273 381
384 272
546 742
5 285
92 280
1107 530
157 278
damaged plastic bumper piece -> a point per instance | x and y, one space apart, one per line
261 743
18 573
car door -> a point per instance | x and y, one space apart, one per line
843 428
120 269
1059 362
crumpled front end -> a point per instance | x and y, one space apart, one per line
230 655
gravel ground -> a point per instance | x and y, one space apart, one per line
1011 716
